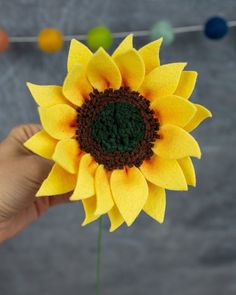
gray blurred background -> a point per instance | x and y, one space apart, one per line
194 251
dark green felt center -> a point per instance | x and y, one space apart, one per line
118 127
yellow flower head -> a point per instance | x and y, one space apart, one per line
118 131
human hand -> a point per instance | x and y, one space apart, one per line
21 175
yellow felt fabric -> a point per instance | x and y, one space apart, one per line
131 67
164 173
175 143
162 81
89 209
58 182
188 170
41 144
78 54
156 203
186 84
85 186
103 72
115 218
150 55
173 110
46 95
126 44
67 155
76 86
59 121
130 191
103 191
201 114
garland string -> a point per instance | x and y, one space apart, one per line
117 35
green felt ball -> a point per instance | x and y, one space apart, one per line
162 29
99 37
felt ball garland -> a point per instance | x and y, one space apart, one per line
51 40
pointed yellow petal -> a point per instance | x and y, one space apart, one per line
89 209
150 55
125 45
59 121
85 186
67 155
78 54
175 143
186 84
173 110
162 81
103 192
129 189
41 144
201 114
164 173
46 95
115 218
188 169
156 203
131 67
58 182
76 86
102 71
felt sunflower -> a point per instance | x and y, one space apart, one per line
118 131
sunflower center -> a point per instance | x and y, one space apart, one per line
118 127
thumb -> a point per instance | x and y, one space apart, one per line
13 144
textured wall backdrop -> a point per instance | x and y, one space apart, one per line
194 251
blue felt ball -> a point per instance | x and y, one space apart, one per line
216 27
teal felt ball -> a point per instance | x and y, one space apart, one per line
99 37
162 29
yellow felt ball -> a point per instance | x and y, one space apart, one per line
50 40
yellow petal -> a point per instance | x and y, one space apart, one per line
46 95
103 192
67 155
162 81
85 186
164 173
89 209
173 110
175 143
59 121
150 55
41 144
58 182
125 45
76 86
129 189
186 84
131 67
78 54
188 169
156 203
115 218
201 114
102 71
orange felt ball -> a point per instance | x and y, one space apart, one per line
4 41
50 40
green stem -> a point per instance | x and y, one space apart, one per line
99 253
